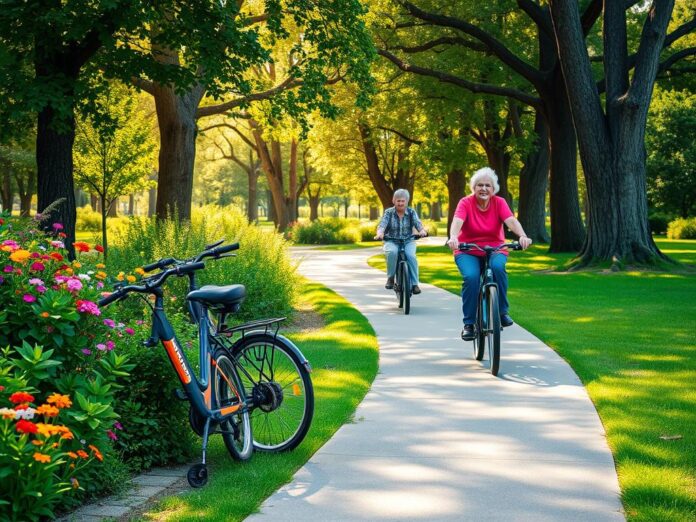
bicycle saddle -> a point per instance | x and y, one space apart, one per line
219 296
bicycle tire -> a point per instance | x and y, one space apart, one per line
281 389
493 330
406 288
480 331
397 283
227 389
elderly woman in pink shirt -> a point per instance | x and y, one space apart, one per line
479 219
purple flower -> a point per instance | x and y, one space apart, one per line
41 289
2 280
101 347
57 226
74 285
28 298
87 351
8 269
118 425
100 285
110 345
130 331
109 322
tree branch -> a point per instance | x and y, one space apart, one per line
589 17
401 135
289 83
443 77
679 55
535 12
445 40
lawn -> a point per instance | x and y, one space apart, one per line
631 337
343 354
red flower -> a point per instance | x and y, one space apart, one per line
81 246
62 235
25 426
21 397
99 248
56 256
2 221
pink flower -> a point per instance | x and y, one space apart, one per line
130 331
100 285
57 226
87 351
10 243
8 269
35 255
101 347
57 244
28 298
111 435
110 345
118 425
74 285
35 281
41 289
37 267
110 323
88 307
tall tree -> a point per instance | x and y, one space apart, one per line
611 136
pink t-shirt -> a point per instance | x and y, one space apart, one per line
483 227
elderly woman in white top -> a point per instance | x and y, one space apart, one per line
398 222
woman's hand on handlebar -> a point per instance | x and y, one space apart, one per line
379 235
525 242
453 243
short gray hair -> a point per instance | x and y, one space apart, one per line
401 193
485 172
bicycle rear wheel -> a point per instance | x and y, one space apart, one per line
281 391
493 329
406 288
236 429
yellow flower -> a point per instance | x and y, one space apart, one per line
74 482
37 442
72 454
100 265
130 279
100 275
59 401
139 271
120 276
40 457
20 256
47 410
77 264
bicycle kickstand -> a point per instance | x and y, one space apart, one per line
198 473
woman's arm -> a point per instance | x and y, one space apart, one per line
514 225
382 225
455 228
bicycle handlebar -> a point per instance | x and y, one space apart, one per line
414 237
468 246
162 263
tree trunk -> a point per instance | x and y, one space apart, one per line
131 204
25 204
54 162
270 207
7 195
456 190
252 196
105 210
292 183
113 208
176 116
383 190
314 200
533 182
374 213
436 211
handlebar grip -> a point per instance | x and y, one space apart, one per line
159 264
192 267
216 243
226 248
105 301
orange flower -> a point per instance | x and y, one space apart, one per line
59 401
96 452
82 454
139 271
72 454
40 457
47 410
100 265
20 256
45 429
100 275
37 442
74 482
77 264
45 315
130 279
67 435
81 246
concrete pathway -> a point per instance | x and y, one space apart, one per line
437 437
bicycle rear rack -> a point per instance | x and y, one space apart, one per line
269 327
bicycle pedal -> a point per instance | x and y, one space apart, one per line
180 394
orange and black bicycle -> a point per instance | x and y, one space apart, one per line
254 385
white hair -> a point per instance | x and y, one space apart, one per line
485 172
401 193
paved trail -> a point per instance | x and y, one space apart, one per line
437 437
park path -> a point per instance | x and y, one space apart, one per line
437 437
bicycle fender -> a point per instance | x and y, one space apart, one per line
280 338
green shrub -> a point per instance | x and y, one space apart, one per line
659 222
327 231
262 263
682 228
368 229
349 235
430 227
88 219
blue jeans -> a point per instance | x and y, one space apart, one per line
470 268
391 252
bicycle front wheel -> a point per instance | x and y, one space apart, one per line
406 288
480 331
493 329
281 391
236 429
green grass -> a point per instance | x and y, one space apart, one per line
343 355
350 246
631 338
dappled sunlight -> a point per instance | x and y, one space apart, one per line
584 319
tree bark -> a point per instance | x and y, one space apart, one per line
374 213
374 172
436 211
456 189
611 145
252 195
176 117
533 182
54 163
6 192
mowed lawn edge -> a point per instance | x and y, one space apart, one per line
344 356
631 338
